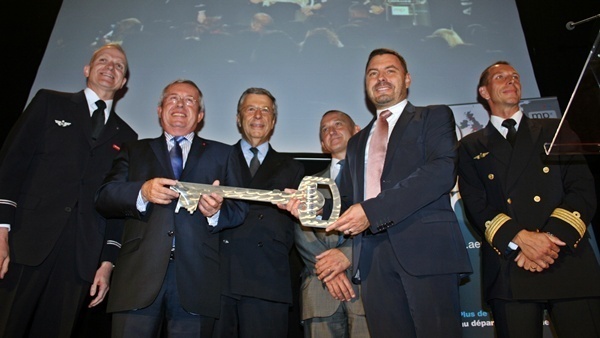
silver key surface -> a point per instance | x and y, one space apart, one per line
312 199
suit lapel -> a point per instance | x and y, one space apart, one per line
196 151
246 177
109 131
269 165
81 116
525 149
407 115
363 136
497 145
159 147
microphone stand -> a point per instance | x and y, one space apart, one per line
571 25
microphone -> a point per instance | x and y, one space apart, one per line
571 25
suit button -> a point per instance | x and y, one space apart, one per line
261 216
509 201
226 241
68 209
260 244
170 233
490 176
536 199
546 170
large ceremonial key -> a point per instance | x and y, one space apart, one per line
312 199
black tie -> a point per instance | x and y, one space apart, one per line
98 119
177 156
512 132
338 178
254 162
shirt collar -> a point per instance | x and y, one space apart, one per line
262 148
188 137
91 98
395 109
497 121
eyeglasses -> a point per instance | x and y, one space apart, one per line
187 100
254 109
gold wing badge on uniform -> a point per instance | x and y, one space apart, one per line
481 155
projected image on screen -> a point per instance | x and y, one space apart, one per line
310 54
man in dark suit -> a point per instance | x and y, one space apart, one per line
533 210
331 306
168 266
408 250
52 164
256 279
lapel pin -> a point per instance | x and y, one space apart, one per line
481 155
62 123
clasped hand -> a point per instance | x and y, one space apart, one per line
539 250
331 270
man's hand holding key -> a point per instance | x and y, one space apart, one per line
158 191
312 199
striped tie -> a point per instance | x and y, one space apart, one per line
177 156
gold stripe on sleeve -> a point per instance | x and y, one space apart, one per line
491 227
572 218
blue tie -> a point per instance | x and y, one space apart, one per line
177 156
338 178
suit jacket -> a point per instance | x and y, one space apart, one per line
414 206
147 237
528 186
51 169
316 299
255 255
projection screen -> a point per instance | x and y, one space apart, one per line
310 54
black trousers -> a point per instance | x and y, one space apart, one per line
44 300
397 303
165 315
568 318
